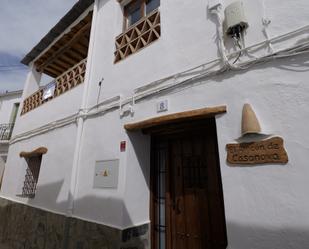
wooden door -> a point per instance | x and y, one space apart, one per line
187 209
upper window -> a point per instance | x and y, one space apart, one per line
138 9
152 5
142 26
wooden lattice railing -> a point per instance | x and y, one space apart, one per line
137 37
63 83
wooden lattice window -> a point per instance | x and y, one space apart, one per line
32 176
34 160
141 27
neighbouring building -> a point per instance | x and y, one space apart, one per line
137 141
9 104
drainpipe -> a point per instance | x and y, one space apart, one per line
80 119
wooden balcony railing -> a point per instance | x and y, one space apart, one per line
6 131
65 82
146 31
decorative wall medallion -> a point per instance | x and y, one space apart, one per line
266 151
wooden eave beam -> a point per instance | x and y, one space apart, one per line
51 72
74 38
176 117
67 59
73 57
56 67
76 53
80 48
62 63
84 42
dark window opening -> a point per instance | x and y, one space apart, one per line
32 176
133 12
14 113
152 5
137 9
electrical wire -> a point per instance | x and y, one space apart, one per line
237 43
13 67
156 87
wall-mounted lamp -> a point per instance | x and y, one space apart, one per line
250 123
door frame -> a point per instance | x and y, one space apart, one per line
166 132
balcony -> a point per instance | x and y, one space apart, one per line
64 60
65 82
6 131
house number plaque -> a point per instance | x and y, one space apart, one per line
267 151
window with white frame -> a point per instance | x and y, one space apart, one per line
137 9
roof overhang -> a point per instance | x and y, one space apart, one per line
67 51
71 16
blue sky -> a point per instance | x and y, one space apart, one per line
23 23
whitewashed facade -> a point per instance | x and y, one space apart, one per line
265 206
9 104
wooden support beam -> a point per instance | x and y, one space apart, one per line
72 57
68 45
53 70
52 73
76 53
83 50
176 117
67 59
56 67
63 64
84 40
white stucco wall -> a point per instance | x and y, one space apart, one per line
172 53
258 200
7 102
100 142
55 172
6 106
265 206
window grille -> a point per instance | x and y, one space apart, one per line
32 176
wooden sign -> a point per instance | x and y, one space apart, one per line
266 151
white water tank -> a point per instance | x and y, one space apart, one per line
235 17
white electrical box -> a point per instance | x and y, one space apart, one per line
106 174
235 16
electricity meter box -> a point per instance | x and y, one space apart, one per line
235 18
